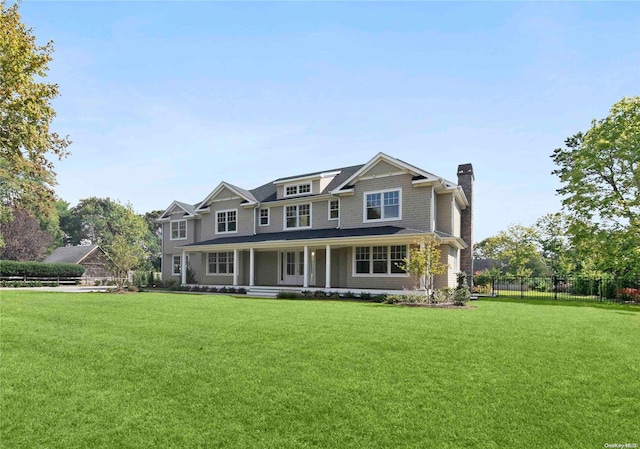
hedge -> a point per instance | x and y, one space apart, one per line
39 269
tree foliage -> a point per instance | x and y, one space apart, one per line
516 248
26 139
125 257
423 262
99 220
24 240
554 245
600 175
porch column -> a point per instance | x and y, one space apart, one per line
423 279
183 268
305 284
251 266
327 283
236 265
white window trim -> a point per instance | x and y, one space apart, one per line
268 209
171 231
284 217
388 274
381 192
329 209
173 265
229 254
297 186
224 212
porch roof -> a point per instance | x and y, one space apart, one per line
318 234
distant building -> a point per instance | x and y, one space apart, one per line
96 263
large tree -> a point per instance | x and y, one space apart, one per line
600 175
517 250
554 245
26 139
98 220
24 240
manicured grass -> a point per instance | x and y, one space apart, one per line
192 371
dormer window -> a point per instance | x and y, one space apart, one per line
298 189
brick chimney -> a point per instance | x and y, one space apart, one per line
465 180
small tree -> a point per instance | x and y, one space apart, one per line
125 257
423 262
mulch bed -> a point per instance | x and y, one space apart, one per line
435 306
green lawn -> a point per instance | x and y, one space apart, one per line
194 371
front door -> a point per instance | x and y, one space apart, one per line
292 267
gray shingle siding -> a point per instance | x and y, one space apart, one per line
416 217
415 203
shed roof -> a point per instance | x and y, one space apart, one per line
70 254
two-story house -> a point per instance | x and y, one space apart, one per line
341 229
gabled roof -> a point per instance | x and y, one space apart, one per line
242 193
268 192
415 171
72 254
189 210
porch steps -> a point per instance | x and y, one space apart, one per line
263 292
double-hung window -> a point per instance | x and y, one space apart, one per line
264 217
298 216
384 205
178 230
176 264
334 209
226 221
220 263
381 260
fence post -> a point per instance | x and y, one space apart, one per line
555 287
600 287
521 288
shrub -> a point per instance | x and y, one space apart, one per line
287 295
319 294
349 295
132 288
482 289
482 278
444 295
223 290
462 294
44 269
629 294
380 298
231 290
17 284
241 291
365 296
170 283
212 289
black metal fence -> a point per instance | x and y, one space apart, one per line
566 288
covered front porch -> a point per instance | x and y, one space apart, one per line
328 259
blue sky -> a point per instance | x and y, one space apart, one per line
163 100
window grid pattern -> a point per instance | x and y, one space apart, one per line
179 230
264 217
227 221
383 205
220 263
298 216
334 210
380 260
